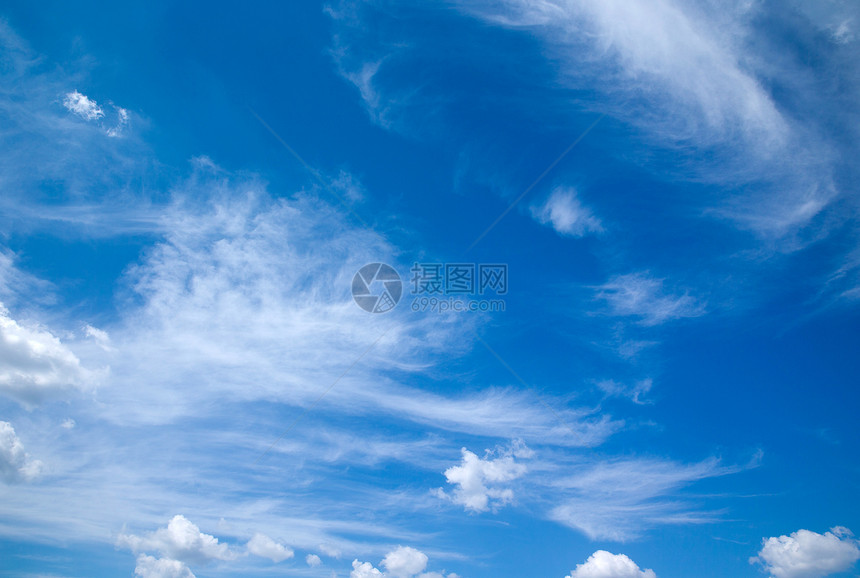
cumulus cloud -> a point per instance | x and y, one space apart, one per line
402 562
643 296
180 540
150 567
603 564
15 464
806 554
364 570
313 560
563 212
478 481
35 365
263 546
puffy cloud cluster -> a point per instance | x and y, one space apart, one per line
806 554
181 540
603 564
402 562
477 480
35 365
181 543
150 567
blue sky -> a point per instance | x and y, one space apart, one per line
188 388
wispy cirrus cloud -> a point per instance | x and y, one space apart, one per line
619 499
642 296
72 175
682 72
563 211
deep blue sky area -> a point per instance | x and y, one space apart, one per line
195 382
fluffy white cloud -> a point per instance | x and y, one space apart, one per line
477 479
263 546
313 560
603 564
35 365
404 562
180 540
806 554
641 295
82 106
150 567
364 570
15 464
563 212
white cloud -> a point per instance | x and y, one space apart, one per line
330 550
404 562
17 286
619 499
180 540
634 392
563 212
35 365
640 295
603 564
690 77
82 106
100 337
89 110
313 560
364 570
121 123
806 554
247 299
15 464
478 480
150 567
263 546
